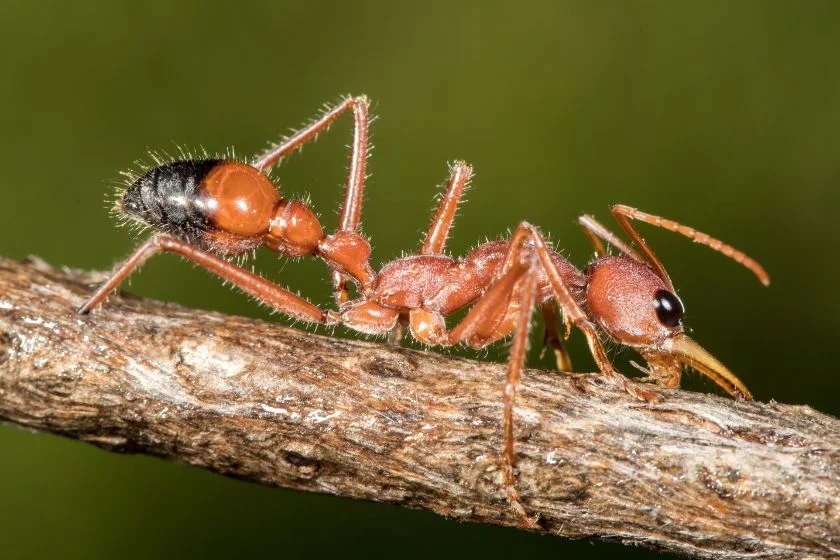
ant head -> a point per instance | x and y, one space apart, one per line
638 308
631 303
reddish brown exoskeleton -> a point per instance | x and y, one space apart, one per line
206 207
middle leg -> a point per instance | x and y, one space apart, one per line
512 294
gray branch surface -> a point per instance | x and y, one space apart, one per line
694 473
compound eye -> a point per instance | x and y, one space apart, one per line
668 307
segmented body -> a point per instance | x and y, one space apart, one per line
206 206
183 199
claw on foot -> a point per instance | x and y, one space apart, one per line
639 392
525 520
631 387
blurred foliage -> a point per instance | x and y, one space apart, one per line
724 115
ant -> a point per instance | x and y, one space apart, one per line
208 209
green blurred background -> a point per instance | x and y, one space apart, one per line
725 115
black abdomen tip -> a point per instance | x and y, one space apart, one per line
170 198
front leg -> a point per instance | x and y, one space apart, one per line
485 322
573 311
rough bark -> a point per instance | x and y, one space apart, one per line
694 473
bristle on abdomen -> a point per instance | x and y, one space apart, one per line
170 199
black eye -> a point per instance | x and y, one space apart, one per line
668 307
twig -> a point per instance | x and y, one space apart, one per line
696 474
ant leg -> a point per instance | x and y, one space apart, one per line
474 327
516 360
460 174
573 311
623 214
263 290
309 132
481 325
552 337
486 321
594 230
351 205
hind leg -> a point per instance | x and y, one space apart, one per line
351 205
265 291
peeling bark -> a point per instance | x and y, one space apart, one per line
694 474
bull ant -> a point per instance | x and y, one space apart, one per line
207 209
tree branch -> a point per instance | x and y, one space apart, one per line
694 473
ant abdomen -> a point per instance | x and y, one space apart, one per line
170 198
221 205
